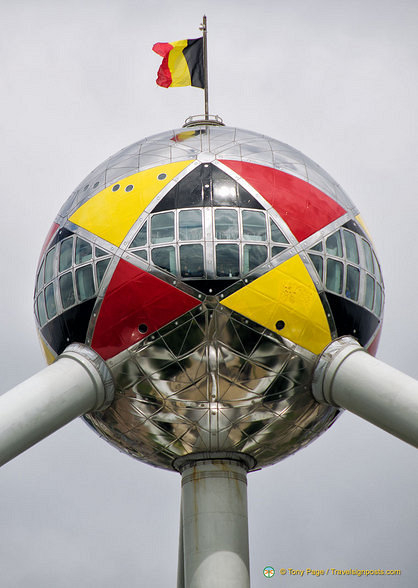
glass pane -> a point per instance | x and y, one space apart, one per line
352 285
99 252
317 247
49 265
227 260
276 234
41 309
85 283
368 256
40 281
190 225
162 227
66 254
226 224
51 309
141 237
334 245
254 255
377 271
67 290
254 225
369 298
165 258
101 267
191 261
351 246
142 253
378 300
335 276
318 263
276 250
83 251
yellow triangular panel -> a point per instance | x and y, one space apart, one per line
286 293
49 356
110 214
363 226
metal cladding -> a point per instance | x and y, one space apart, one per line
209 267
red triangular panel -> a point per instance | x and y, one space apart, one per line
135 298
304 208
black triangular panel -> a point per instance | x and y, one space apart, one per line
352 319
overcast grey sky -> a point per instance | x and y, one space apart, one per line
337 80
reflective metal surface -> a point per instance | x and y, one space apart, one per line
209 266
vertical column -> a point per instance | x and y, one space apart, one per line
215 521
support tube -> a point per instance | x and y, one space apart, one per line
76 383
214 523
348 377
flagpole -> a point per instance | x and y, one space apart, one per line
203 28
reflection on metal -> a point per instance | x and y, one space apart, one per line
209 266
348 377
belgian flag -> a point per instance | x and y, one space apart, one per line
182 63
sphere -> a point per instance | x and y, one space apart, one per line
209 267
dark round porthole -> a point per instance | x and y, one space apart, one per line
115 187
280 325
142 328
162 176
95 185
129 188
85 187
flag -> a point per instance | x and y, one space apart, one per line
182 63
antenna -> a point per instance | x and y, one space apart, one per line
204 28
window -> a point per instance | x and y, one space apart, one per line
85 282
226 224
276 234
165 258
335 276
191 261
351 246
51 309
227 260
162 227
41 309
101 267
141 237
40 281
369 297
83 251
254 255
190 225
49 265
66 254
67 290
254 225
368 256
334 246
352 285
378 300
318 263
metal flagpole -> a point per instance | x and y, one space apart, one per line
203 27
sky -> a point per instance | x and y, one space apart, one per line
336 80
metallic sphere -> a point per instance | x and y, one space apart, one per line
209 266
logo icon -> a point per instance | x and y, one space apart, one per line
268 572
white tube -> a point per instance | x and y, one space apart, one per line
215 523
75 384
348 377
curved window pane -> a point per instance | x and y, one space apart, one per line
101 267
141 237
276 234
377 271
191 261
66 254
369 298
317 247
254 255
352 284
351 246
368 257
318 263
67 290
51 308
190 225
83 251
226 224
227 260
165 258
378 300
334 245
85 283
276 250
99 252
141 253
162 227
254 225
335 276
41 309
40 281
49 265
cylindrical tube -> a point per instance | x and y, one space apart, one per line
76 383
215 524
348 377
